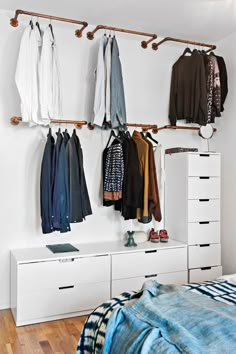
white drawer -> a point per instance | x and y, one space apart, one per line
203 187
203 210
51 302
203 274
203 165
204 256
150 262
203 232
54 274
135 284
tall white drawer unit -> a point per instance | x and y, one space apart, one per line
47 286
192 209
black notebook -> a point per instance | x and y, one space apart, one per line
62 247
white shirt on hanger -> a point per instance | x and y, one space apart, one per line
23 75
49 82
108 78
99 100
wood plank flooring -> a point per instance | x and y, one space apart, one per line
55 337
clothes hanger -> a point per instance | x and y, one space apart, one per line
38 25
149 136
187 50
51 28
31 23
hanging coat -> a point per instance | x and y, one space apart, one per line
26 76
55 170
50 95
99 100
118 111
79 199
46 185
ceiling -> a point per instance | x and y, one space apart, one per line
201 20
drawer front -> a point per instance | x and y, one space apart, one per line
204 256
203 232
203 210
204 274
203 165
135 284
52 302
54 274
203 188
138 264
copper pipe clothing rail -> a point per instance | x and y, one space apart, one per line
78 123
182 127
144 44
145 127
155 46
14 21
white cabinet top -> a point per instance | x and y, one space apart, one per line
29 255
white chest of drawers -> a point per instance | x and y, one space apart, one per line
47 286
192 210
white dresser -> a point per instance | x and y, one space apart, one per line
192 210
47 286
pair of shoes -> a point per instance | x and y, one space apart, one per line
163 235
153 236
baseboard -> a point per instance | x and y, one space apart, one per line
4 306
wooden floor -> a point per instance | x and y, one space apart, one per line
56 337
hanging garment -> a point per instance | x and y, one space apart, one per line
79 198
223 80
62 189
153 192
132 192
56 171
188 95
210 86
118 111
143 149
46 185
216 103
50 95
159 170
114 173
99 100
108 78
26 76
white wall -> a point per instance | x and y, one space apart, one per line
225 142
147 81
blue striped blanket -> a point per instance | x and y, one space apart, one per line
93 334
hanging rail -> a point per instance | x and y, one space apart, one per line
183 127
14 21
78 123
155 46
144 44
145 127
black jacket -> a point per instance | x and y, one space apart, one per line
46 185
79 199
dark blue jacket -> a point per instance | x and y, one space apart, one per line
46 185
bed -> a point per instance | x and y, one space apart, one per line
193 318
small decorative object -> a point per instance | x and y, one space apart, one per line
130 242
140 237
163 235
153 236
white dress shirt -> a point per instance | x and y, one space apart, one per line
108 78
99 100
49 82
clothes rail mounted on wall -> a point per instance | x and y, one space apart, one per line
155 46
77 123
144 44
181 127
14 21
145 127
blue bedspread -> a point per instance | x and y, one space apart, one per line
151 324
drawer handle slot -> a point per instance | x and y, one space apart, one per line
204 177
66 287
152 251
204 222
151 276
204 200
206 268
204 155
205 245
